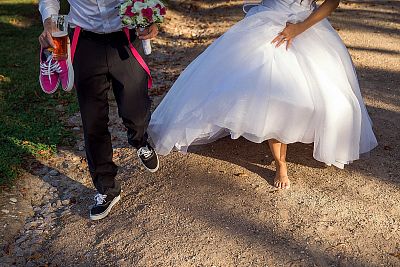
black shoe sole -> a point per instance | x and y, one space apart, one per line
107 211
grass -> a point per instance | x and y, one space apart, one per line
30 126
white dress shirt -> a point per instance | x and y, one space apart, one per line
100 16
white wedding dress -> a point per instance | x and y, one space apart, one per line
243 86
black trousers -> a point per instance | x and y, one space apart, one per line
103 62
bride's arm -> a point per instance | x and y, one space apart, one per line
292 30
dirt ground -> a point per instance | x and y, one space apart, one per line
216 205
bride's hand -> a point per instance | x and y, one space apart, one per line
288 34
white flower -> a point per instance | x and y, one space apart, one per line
138 6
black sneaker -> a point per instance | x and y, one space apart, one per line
103 206
148 157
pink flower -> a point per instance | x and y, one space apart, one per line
148 14
163 10
129 12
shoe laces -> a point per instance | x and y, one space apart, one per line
145 152
100 198
50 67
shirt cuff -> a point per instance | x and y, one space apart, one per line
47 12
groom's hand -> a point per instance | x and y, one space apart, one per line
148 33
45 38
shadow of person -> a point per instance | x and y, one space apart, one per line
254 157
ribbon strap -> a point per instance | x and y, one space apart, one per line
139 58
77 31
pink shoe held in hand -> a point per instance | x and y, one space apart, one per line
49 69
66 74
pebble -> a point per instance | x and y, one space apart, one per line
65 212
76 128
21 239
53 189
65 202
5 211
54 173
13 199
30 225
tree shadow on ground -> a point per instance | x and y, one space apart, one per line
77 190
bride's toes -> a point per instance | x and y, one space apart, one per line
286 185
282 182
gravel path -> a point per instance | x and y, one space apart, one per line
216 206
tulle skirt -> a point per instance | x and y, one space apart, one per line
242 85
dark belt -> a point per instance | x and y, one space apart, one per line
107 37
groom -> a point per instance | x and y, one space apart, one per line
104 61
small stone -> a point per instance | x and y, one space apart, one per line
36 209
5 211
38 232
47 209
55 183
58 204
48 220
20 240
76 128
64 165
65 202
53 189
81 148
54 173
13 199
31 225
65 212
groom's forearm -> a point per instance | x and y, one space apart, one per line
327 7
48 8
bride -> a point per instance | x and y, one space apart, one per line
281 74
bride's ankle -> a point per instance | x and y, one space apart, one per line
280 164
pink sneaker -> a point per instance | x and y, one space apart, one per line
49 70
66 74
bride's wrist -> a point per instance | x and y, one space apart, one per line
303 26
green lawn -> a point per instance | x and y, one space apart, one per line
29 124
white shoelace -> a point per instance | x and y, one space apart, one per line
50 67
100 199
145 152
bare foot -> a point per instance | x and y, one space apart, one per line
281 180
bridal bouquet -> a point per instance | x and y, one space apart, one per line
140 14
